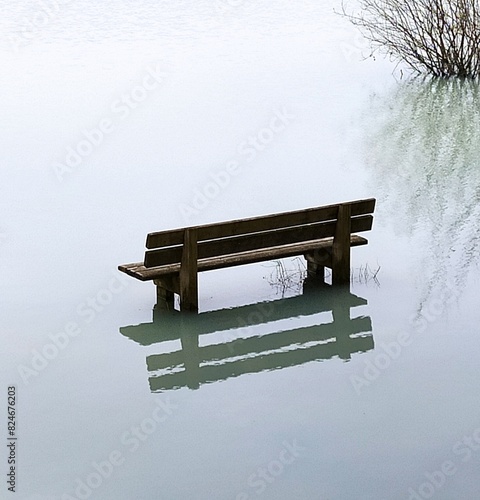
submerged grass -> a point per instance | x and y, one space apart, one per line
288 276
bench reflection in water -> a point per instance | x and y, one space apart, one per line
218 345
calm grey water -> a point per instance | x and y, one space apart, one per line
121 118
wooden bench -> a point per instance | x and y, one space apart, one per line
323 235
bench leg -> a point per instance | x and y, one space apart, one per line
189 272
165 297
316 263
341 247
315 270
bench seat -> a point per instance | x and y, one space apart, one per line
139 271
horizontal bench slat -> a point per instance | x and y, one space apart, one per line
250 242
258 224
139 271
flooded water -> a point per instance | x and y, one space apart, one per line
123 118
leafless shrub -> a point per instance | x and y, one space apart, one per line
440 37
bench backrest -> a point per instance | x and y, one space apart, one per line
225 238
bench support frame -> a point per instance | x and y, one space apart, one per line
189 271
341 247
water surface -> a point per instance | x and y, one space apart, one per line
270 394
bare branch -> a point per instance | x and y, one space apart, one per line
441 37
